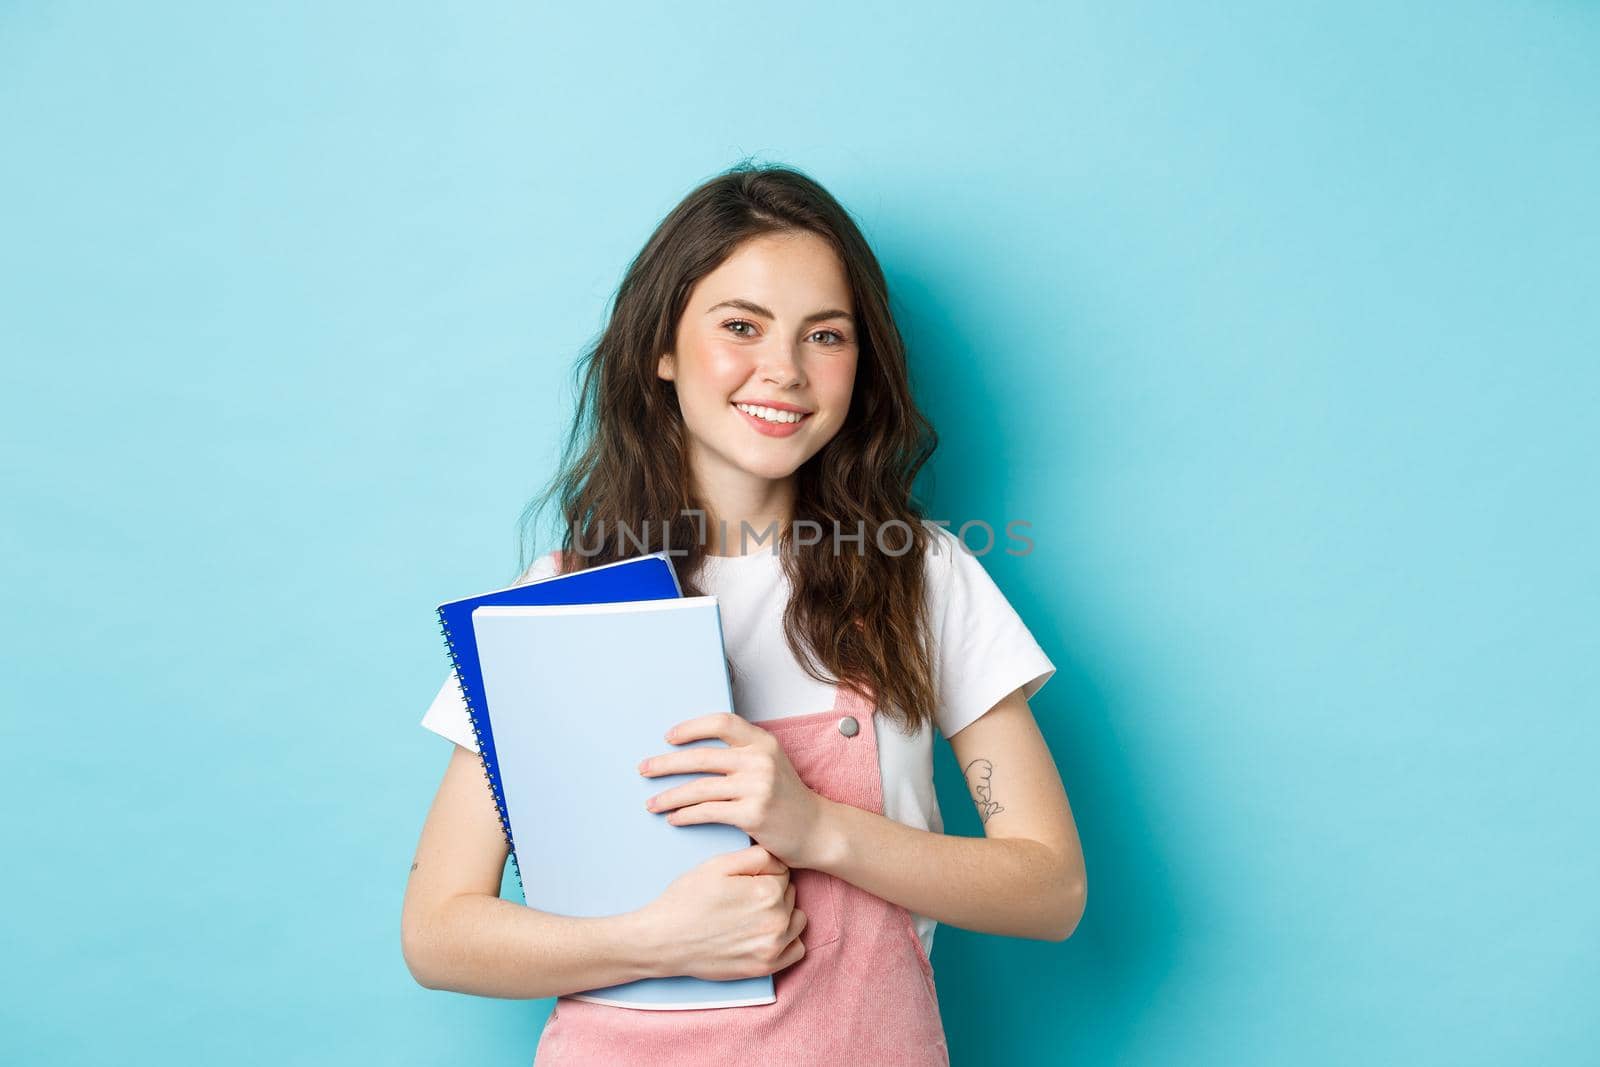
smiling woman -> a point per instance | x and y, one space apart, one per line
781 375
751 374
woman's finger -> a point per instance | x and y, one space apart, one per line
792 954
714 787
725 725
724 811
690 760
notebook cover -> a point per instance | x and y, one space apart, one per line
579 695
647 577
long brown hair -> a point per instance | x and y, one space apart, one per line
624 485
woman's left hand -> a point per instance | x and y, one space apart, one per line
753 787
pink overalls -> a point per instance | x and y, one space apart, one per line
862 994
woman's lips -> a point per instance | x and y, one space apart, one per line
772 429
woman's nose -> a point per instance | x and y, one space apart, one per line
781 368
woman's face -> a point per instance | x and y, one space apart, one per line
771 327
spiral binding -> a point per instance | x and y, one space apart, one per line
483 759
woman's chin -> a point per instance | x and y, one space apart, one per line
771 472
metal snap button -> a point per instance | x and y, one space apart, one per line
848 726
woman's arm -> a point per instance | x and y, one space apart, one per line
1025 878
457 934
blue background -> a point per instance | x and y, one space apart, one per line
1277 322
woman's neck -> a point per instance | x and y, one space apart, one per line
745 514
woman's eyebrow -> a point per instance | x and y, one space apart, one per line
757 309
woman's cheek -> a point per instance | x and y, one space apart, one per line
729 371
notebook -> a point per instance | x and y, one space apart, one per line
579 694
647 577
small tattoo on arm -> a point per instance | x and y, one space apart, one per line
413 868
979 774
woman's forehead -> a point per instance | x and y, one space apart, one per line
786 276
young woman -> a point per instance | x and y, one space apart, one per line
748 408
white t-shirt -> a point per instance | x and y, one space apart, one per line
982 651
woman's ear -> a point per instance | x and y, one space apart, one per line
665 369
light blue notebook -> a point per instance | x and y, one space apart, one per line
578 695
648 577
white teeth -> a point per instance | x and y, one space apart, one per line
770 414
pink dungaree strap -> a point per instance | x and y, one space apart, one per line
862 994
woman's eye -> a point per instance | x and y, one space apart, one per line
834 336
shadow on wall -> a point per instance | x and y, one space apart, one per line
1010 1000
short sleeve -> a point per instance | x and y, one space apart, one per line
447 715
982 650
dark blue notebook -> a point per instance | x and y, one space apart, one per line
649 577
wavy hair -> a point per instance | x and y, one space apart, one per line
856 618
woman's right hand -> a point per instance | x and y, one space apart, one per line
732 916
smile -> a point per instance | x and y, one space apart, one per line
770 414
770 421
